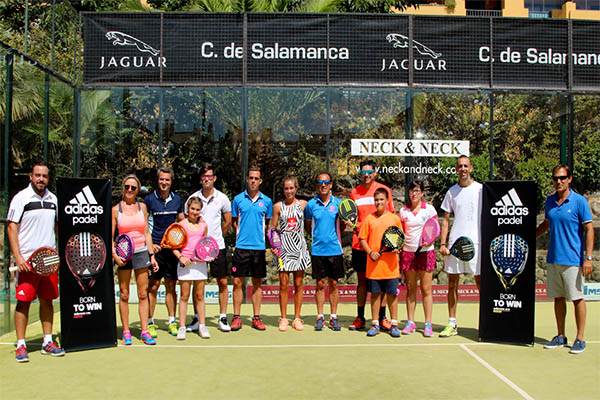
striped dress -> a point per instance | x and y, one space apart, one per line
294 251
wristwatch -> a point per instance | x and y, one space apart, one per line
588 258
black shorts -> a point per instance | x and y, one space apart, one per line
167 266
359 260
327 267
249 263
218 267
389 286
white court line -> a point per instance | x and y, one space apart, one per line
285 346
497 373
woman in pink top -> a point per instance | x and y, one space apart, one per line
417 265
189 270
130 217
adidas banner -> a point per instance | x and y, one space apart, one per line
507 296
87 294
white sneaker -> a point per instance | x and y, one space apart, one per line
224 325
204 334
193 327
181 333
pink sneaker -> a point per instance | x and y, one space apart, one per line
409 328
428 331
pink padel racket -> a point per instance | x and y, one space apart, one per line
124 247
275 241
431 231
207 249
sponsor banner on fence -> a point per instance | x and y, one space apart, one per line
338 50
591 291
409 148
87 307
508 223
211 294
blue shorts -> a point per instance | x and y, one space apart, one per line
376 286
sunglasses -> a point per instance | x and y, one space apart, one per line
367 172
323 181
559 178
130 187
207 176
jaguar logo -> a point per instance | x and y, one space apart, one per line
419 63
399 40
123 39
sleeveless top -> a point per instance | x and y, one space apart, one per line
193 238
133 226
294 251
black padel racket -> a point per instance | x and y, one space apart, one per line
85 253
463 249
393 239
348 212
508 253
44 261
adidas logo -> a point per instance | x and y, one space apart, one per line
21 292
85 204
509 204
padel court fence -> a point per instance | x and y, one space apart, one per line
185 92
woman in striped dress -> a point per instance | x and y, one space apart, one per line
288 218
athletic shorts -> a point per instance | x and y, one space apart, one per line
424 261
327 267
167 266
565 281
376 286
218 267
359 260
139 260
249 263
453 265
30 285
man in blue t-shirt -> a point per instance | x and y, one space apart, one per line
322 222
164 208
250 212
569 257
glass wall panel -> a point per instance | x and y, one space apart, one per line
60 129
586 160
5 292
119 134
450 116
287 133
527 130
203 126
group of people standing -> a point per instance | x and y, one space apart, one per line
32 222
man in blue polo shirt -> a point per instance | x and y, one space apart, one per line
321 220
250 212
164 208
569 258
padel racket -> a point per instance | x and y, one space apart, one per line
85 253
431 231
463 249
207 249
508 253
124 247
175 237
44 261
348 212
275 241
393 239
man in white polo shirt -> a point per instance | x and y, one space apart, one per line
32 224
216 212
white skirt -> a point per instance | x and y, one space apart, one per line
197 271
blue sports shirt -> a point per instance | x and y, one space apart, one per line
251 220
162 213
566 229
325 226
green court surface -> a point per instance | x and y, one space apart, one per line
309 364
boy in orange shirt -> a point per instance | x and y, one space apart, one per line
382 269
